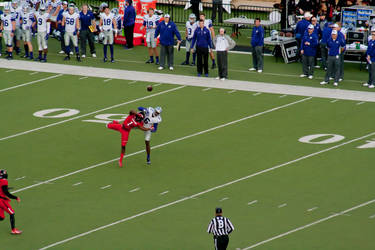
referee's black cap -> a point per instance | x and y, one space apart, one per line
218 210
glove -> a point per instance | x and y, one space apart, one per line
47 36
74 33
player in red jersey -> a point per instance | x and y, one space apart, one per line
5 197
134 120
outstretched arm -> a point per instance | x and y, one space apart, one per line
143 128
6 192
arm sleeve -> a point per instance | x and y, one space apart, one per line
177 33
230 226
157 31
209 41
194 39
209 229
6 192
141 108
155 127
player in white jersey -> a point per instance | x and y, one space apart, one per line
150 21
42 23
191 26
151 119
7 28
27 20
107 26
16 11
71 23
208 25
54 7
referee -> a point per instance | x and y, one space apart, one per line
220 227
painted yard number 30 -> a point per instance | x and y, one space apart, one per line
330 138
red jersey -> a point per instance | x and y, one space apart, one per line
3 182
130 123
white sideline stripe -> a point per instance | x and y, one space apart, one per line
83 77
225 198
34 73
206 89
106 187
10 70
282 205
134 190
132 82
310 224
166 143
282 96
252 202
158 84
91 113
20 178
360 103
257 94
372 216
76 184
232 91
333 101
312 209
32 82
165 192
107 80
213 189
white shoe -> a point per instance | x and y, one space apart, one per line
252 69
160 68
217 78
371 86
302 75
260 71
170 68
323 83
317 66
335 84
93 55
71 53
62 52
365 84
311 77
340 80
83 56
223 79
331 78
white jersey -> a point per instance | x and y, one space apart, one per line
208 23
71 21
54 5
17 15
41 21
118 19
190 29
150 22
27 20
150 118
107 21
7 21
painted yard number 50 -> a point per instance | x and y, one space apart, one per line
330 138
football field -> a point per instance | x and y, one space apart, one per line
291 172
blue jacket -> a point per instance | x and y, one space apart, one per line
60 18
371 50
129 16
342 38
167 33
334 46
309 50
257 36
86 20
301 28
202 37
326 34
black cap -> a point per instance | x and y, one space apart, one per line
218 210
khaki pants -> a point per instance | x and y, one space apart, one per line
42 41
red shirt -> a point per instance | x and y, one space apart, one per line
130 123
3 182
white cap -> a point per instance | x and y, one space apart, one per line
335 25
307 14
334 32
167 15
310 26
372 28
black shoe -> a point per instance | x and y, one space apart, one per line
43 60
67 58
105 59
150 61
157 63
192 64
213 66
10 57
37 59
25 56
185 63
112 60
78 58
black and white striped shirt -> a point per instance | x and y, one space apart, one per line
220 226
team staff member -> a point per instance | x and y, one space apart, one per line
309 44
223 43
257 42
302 27
129 21
210 27
323 44
204 44
87 19
220 227
371 61
341 34
167 30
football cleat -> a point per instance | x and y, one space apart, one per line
16 231
105 59
112 60
185 63
303 75
150 61
252 69
365 84
335 84
67 58
120 163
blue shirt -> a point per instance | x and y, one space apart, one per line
86 20
167 33
371 50
129 16
301 28
334 46
257 36
326 34
60 18
309 50
202 37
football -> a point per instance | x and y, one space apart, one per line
149 88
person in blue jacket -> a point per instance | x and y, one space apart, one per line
370 56
309 44
257 42
326 33
202 39
1 43
129 22
302 27
334 45
167 30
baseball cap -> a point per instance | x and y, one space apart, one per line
310 26
335 25
65 3
167 15
307 14
218 210
334 32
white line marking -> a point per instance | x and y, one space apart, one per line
340 214
372 216
225 198
282 205
312 209
206 89
165 192
259 93
32 82
20 178
336 100
310 224
132 82
9 70
213 189
76 184
34 73
134 190
282 96
252 202
107 80
106 187
158 84
83 77
232 91
360 103
170 142
91 113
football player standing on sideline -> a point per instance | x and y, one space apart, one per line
191 26
27 19
150 21
42 19
107 23
71 23
16 11
7 28
220 227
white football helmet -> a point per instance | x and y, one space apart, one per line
158 110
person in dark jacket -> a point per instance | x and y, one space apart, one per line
195 7
60 28
217 6
302 27
167 30
203 40
257 42
87 19
370 56
129 21
323 43
309 44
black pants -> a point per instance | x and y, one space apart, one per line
129 31
195 9
166 52
221 242
217 6
222 63
84 36
202 55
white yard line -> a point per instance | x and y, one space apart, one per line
107 80
282 205
312 209
20 178
134 190
282 96
333 101
76 184
252 202
91 113
106 187
165 192
360 103
216 188
232 91
372 216
132 82
224 199
83 77
158 84
10 70
29 83
206 89
257 94
167 143
309 225
34 73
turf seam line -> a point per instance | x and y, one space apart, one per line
282 205
106 187
312 209
29 83
91 113
252 202
310 224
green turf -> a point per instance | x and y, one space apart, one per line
333 181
